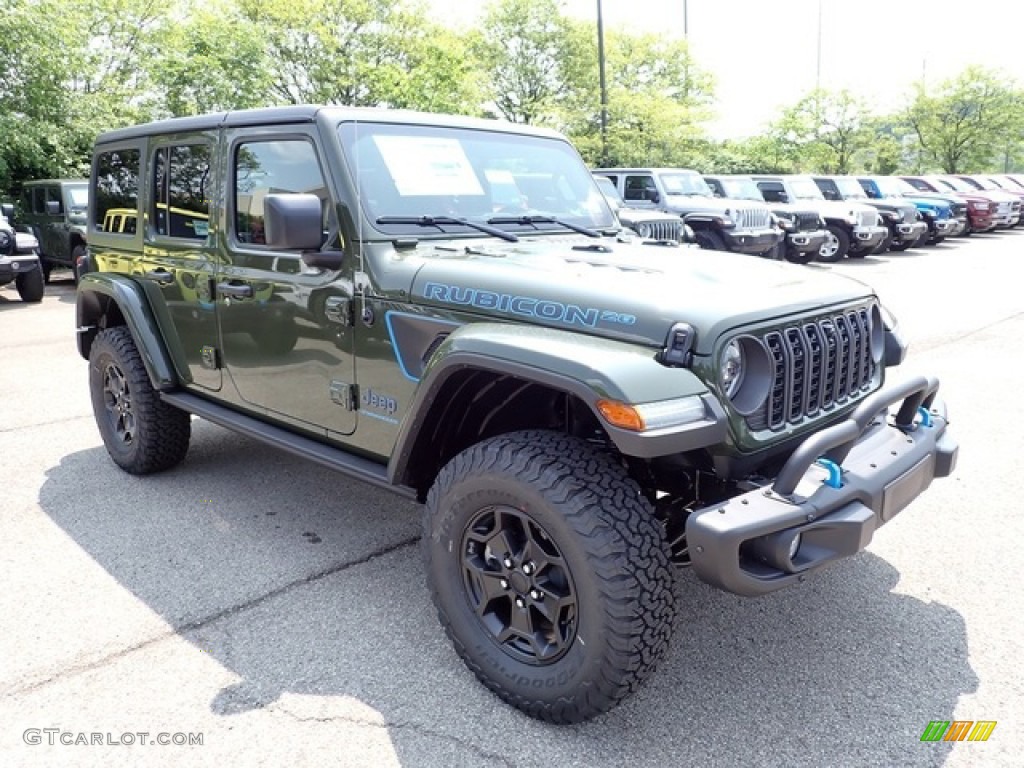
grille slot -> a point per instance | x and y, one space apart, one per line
665 230
816 366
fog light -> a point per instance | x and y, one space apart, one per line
794 546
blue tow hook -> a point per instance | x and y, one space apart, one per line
835 474
926 416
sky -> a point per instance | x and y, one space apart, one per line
763 53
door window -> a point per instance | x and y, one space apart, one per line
264 167
637 186
181 194
115 184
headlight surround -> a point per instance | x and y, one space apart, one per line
745 373
731 368
644 230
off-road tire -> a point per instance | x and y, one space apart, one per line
712 241
583 506
30 286
796 257
836 246
142 433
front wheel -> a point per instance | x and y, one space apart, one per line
837 245
796 257
712 241
141 432
549 573
30 286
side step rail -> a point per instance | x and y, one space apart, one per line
335 458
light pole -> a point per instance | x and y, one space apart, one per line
604 85
817 75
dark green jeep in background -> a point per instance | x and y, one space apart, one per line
444 307
54 211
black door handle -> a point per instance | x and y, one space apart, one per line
230 289
161 276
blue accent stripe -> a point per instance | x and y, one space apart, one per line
394 344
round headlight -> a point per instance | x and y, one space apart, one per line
730 371
644 230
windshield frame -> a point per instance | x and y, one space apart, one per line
404 170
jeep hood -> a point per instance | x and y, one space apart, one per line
619 290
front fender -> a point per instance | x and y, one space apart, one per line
588 367
105 297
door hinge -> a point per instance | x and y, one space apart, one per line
344 394
341 310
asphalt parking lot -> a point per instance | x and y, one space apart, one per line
279 612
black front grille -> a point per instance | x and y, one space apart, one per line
816 366
806 222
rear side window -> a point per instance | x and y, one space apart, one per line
115 185
263 167
181 181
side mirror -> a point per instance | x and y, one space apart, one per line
783 197
293 222
651 195
7 209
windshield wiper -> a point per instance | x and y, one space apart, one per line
535 220
440 221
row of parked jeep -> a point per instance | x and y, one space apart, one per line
809 218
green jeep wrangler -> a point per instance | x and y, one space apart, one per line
579 413
54 211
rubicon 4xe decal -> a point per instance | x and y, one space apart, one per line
525 306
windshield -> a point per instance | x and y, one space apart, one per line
413 171
742 189
685 184
78 202
850 188
891 187
611 194
805 189
954 184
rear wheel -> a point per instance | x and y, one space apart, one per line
837 245
30 286
549 572
141 432
77 255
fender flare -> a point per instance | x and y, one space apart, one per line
96 291
587 367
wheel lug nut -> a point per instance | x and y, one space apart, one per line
520 603
504 583
528 568
536 594
508 562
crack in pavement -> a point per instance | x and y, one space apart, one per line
492 758
64 420
233 610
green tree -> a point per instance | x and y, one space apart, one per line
826 129
528 52
964 126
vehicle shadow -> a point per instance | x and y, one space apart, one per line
309 588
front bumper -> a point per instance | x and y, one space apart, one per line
866 238
981 221
16 264
910 233
742 545
945 227
755 241
806 242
